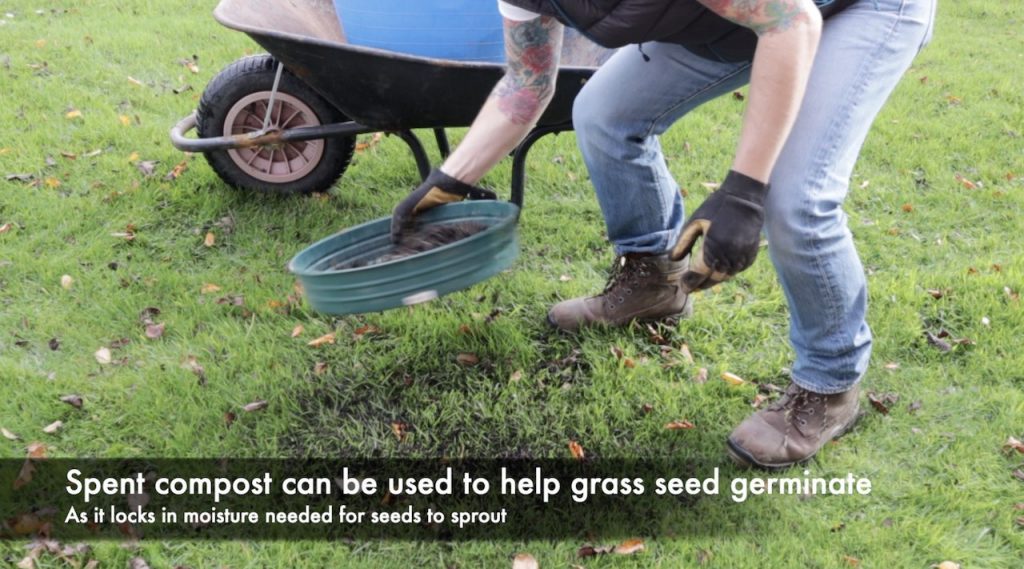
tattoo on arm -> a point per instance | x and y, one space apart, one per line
762 16
532 51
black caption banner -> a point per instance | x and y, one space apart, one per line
371 499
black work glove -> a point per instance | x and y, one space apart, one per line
438 189
730 221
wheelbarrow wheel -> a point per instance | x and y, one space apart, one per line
237 102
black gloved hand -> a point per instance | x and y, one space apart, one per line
730 221
438 189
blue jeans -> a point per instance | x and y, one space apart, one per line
619 114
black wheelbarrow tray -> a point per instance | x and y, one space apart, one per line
287 122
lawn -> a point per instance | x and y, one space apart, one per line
89 90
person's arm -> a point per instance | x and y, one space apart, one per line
730 220
788 32
532 50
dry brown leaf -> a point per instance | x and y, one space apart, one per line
939 343
28 470
851 561
936 293
5 228
322 340
947 565
628 363
759 400
617 352
965 182
1012 444
565 278
73 114
36 450
103 356
146 167
53 427
516 375
702 376
138 563
647 408
524 561
210 240
229 418
400 430
687 355
732 378
66 282
29 562
882 402
255 406
467 359
576 449
9 435
297 330
374 140
367 330
177 171
209 288
320 368
679 425
892 366
73 400
155 331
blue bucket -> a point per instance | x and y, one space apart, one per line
463 30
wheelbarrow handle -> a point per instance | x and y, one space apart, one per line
259 138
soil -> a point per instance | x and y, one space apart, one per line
418 241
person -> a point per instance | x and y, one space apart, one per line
819 73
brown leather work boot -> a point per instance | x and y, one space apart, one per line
641 287
794 428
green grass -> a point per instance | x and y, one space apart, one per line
943 489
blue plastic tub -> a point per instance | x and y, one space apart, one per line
463 30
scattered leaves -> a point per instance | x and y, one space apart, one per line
320 368
882 402
5 228
25 475
965 182
322 340
155 331
732 378
229 418
177 171
53 427
37 450
628 547
66 282
209 288
1019 474
679 425
936 293
73 400
367 330
255 406
192 364
516 376
147 167
210 240
576 449
374 140
400 430
297 330
939 343
701 377
73 114
467 359
9 435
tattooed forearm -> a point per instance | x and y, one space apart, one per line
764 16
532 50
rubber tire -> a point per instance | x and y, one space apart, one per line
253 74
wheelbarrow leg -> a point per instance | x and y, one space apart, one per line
422 161
519 158
442 142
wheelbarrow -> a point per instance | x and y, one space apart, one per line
287 122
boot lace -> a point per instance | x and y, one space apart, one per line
799 405
627 273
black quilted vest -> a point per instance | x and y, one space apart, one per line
615 23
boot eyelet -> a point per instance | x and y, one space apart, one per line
803 423
622 300
629 292
810 411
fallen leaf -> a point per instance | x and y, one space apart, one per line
210 240
882 402
367 330
687 355
647 408
134 81
400 430
1012 444
5 228
209 288
192 364
320 368
892 366
524 561
939 343
732 379
630 547
965 182
229 418
617 352
155 331
138 563
36 450
851 561
374 140
177 171
25 474
936 293
297 330
516 375
133 157
914 407
9 435
565 278
73 114
628 363
907 208
146 315
125 120
947 565
576 449
73 400
679 425
53 427
255 406
19 177
322 340
66 282
759 399
702 376
103 356
467 359
704 556
147 167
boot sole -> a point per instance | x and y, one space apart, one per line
744 459
670 319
